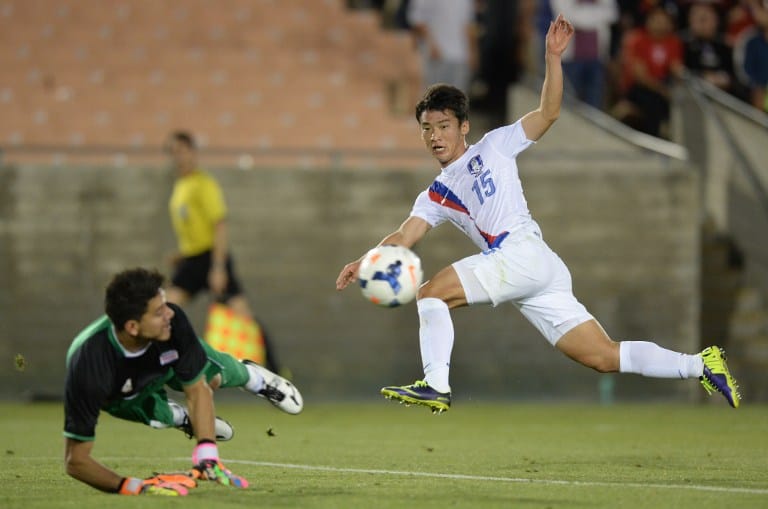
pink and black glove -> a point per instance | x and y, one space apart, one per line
208 467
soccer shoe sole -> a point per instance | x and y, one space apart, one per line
726 385
437 407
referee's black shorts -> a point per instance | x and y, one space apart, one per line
191 275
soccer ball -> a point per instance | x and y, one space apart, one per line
390 275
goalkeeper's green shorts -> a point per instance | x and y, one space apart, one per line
150 406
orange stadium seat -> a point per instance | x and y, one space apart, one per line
259 74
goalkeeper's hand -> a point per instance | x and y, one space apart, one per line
213 470
173 485
208 467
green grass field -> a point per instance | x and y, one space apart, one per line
383 455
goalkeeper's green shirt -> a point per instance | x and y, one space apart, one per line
101 373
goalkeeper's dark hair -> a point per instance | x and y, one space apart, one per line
129 292
442 97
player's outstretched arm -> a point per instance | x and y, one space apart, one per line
537 122
410 232
83 467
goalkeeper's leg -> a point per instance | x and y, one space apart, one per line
257 380
149 407
153 408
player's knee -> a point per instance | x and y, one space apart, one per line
431 292
605 367
602 363
426 291
453 297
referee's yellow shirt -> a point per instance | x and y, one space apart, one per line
196 205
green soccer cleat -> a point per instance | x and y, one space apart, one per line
420 393
716 376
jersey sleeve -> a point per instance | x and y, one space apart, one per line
427 210
84 394
212 200
509 140
192 357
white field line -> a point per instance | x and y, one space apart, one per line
522 480
458 477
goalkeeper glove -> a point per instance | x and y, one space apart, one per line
154 486
207 466
182 478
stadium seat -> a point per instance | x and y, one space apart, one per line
260 74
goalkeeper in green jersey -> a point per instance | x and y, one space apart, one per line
122 362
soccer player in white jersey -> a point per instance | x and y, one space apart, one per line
479 191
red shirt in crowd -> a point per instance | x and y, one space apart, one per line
657 55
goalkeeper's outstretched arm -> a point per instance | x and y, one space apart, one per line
83 467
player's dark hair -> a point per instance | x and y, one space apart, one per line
128 294
442 97
185 138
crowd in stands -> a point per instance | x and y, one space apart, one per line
99 73
627 54
724 42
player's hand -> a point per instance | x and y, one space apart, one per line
153 486
348 275
559 35
213 470
183 478
217 280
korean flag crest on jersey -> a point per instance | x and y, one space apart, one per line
475 165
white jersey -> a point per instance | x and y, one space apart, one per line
481 193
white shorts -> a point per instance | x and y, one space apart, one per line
525 271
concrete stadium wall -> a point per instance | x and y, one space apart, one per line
626 226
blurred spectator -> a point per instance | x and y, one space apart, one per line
738 20
705 52
447 37
652 56
543 16
637 11
751 55
504 44
395 14
584 61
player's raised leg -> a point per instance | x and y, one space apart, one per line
589 345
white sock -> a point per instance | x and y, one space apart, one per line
255 381
436 342
649 359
